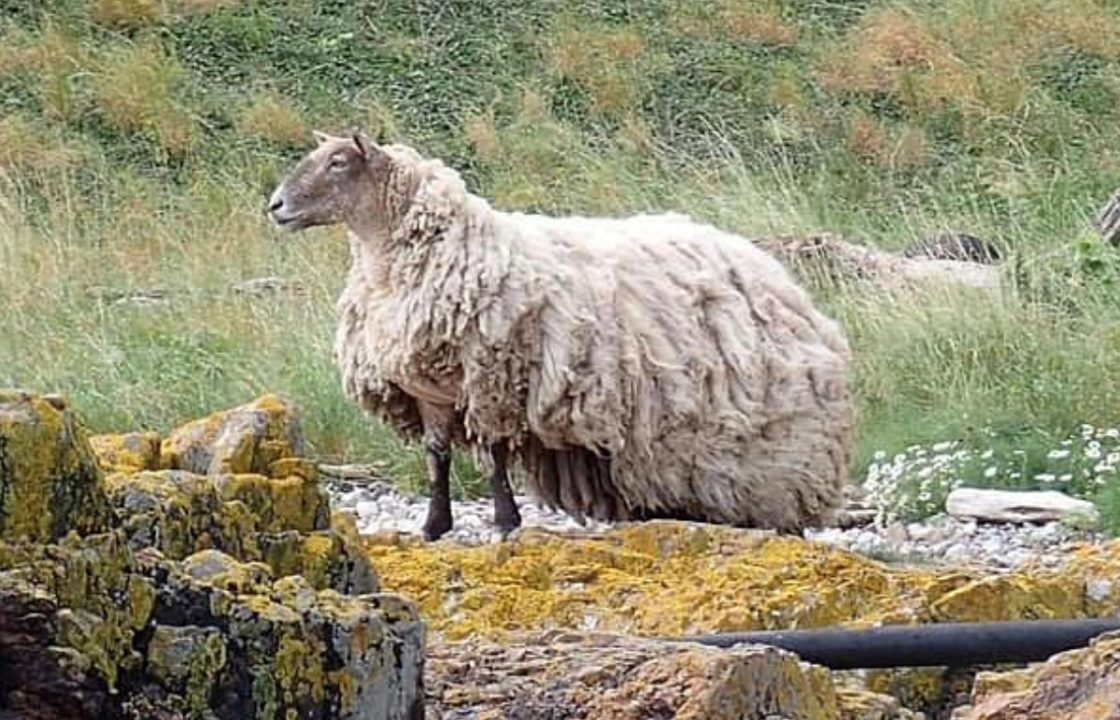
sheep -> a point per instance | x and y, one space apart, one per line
646 367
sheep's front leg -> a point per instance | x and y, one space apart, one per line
506 515
437 443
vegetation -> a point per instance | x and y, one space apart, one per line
140 138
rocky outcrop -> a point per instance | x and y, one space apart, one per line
245 439
829 259
1075 685
173 594
50 483
610 677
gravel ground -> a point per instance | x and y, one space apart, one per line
378 508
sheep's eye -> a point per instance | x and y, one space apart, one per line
337 163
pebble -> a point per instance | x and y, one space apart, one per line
940 540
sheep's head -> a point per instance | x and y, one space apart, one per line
336 182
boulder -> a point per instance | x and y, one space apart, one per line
1081 684
130 452
835 261
90 629
169 593
245 439
611 677
954 245
283 522
50 483
1017 506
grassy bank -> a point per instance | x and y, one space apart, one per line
139 140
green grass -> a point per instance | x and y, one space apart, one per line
139 140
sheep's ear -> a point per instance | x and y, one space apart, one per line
365 147
320 137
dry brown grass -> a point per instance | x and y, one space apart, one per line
136 94
974 56
903 146
25 148
200 7
126 14
605 63
763 25
755 22
894 50
268 116
482 135
49 60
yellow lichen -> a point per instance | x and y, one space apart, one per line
43 494
674 578
131 452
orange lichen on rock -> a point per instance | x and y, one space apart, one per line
130 452
668 578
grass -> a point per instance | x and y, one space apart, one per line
132 158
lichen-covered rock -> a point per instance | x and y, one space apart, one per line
130 452
612 677
1081 684
607 677
284 522
245 439
50 483
668 578
88 629
289 648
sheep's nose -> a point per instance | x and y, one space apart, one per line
275 204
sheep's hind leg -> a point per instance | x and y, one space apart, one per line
506 515
437 443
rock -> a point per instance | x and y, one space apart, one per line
50 483
574 675
134 296
87 630
952 245
1016 506
245 439
1081 684
131 452
267 286
283 522
169 594
834 260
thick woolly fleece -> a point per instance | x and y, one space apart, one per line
643 367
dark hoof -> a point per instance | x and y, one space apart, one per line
436 527
507 518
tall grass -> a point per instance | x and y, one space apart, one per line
130 163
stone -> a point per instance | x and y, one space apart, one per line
205 637
954 245
1082 684
50 482
130 452
284 523
269 285
610 677
245 439
1016 506
831 259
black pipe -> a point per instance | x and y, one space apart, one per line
935 645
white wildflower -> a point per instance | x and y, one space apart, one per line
1045 477
991 472
1057 454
